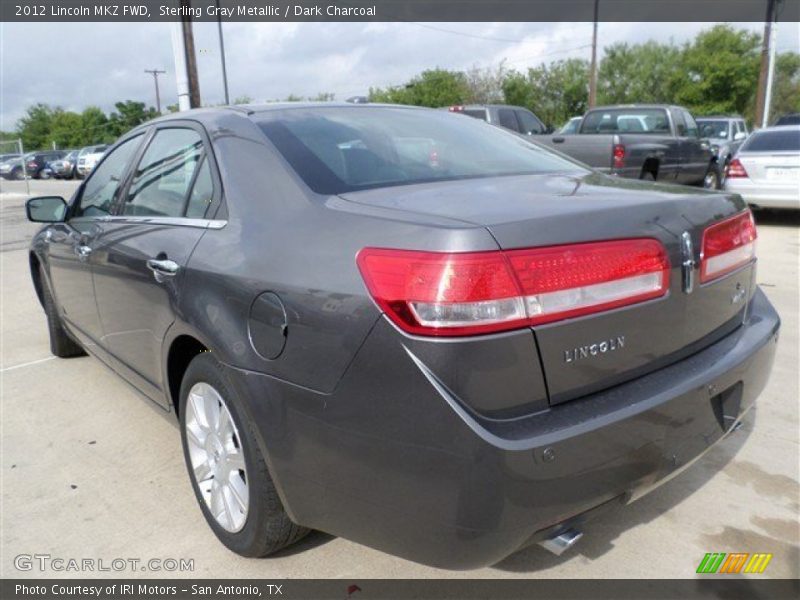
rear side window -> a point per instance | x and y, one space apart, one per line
773 141
626 120
476 113
202 193
103 186
506 118
165 174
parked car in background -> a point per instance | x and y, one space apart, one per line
12 168
64 168
645 141
446 360
571 126
7 157
514 118
88 157
726 134
766 170
32 164
789 119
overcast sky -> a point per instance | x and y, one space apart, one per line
74 65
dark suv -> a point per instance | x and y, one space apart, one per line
515 118
35 163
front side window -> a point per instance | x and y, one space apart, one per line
691 125
506 118
342 149
529 123
163 177
104 185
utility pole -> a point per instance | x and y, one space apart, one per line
593 68
762 110
191 57
155 73
222 55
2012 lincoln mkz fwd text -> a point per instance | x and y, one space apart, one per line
405 326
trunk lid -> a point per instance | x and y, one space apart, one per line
772 168
585 354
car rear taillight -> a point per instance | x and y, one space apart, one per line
619 156
728 245
736 169
456 108
433 293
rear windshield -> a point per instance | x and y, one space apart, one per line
626 120
773 141
342 149
711 128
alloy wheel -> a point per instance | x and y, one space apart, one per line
217 457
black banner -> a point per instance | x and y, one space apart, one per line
393 10
752 588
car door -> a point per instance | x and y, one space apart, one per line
70 244
695 153
147 244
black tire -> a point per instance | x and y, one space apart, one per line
712 179
18 174
267 527
61 344
647 176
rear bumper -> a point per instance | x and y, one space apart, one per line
393 460
766 195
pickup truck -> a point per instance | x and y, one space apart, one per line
653 142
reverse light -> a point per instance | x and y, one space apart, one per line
736 169
449 294
728 245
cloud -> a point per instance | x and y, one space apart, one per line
74 65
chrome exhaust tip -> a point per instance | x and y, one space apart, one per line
559 544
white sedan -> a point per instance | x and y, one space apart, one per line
766 170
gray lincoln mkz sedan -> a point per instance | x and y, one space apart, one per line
405 327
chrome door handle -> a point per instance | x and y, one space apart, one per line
162 268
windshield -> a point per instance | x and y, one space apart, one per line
626 120
713 129
787 140
342 149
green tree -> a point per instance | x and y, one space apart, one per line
66 129
34 127
786 86
129 114
554 92
432 88
485 85
638 73
94 127
718 72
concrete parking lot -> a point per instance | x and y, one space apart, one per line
90 469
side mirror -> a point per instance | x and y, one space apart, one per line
740 136
46 209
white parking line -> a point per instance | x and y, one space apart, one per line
27 364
